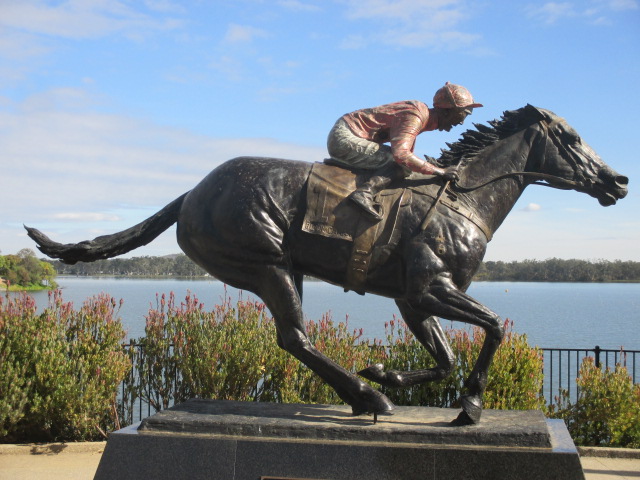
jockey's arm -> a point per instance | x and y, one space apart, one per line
415 164
403 139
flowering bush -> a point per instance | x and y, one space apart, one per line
607 410
60 369
515 378
231 353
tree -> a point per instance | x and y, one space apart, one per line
26 271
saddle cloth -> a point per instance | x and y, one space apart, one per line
331 214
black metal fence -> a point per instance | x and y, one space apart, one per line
561 367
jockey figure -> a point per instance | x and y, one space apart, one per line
357 140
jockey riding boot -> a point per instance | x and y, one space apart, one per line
365 193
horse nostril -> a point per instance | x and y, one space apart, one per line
621 181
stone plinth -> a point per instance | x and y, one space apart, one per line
212 439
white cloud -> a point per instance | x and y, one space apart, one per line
449 40
164 6
405 10
84 19
595 12
20 45
618 5
30 30
231 67
61 168
532 207
298 6
243 34
86 217
412 23
354 42
550 12
277 67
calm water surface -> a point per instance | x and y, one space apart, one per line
567 315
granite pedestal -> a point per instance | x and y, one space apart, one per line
209 439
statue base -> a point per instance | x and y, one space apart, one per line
214 439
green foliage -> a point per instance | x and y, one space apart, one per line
59 370
515 379
607 410
550 270
559 270
337 342
171 265
25 271
231 353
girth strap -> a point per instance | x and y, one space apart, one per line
373 235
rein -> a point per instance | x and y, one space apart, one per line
564 184
536 175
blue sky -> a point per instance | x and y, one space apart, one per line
111 109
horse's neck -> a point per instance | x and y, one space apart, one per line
494 202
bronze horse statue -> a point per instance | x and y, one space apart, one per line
242 224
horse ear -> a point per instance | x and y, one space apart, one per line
537 113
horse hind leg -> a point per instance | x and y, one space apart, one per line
429 333
277 288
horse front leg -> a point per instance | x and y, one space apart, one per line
429 333
441 297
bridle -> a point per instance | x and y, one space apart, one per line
559 182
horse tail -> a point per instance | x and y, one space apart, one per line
108 246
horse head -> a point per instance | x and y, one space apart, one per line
572 163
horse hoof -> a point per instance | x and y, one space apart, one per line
471 411
377 403
375 373
462 421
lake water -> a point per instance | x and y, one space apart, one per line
560 315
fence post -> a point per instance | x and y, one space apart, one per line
597 353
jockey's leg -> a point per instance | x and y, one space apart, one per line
365 193
354 152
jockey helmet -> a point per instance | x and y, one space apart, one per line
454 96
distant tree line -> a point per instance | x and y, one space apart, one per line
550 270
558 270
23 271
171 265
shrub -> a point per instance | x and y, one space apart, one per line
345 347
231 353
515 378
60 369
607 410
189 352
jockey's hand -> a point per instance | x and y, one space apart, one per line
451 174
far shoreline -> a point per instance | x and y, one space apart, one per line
306 278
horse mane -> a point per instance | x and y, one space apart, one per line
473 141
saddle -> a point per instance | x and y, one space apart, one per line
331 214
